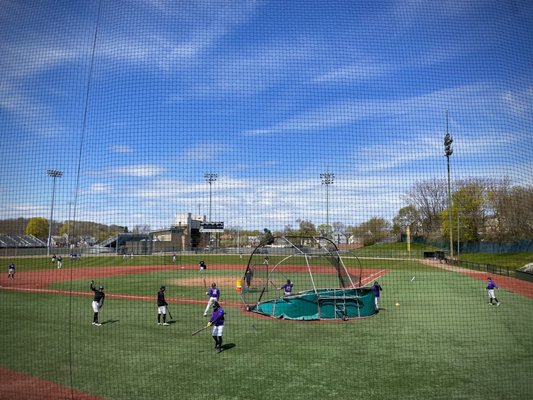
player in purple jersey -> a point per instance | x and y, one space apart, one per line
214 295
376 288
287 288
217 322
11 273
491 286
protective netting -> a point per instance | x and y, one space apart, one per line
139 138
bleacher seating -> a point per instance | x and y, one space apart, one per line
18 241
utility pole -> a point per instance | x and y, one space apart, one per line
53 173
448 151
327 179
210 178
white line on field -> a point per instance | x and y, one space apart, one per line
373 276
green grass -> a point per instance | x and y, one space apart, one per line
393 250
443 342
509 260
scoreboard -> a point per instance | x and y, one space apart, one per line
212 227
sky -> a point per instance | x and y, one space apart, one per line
135 101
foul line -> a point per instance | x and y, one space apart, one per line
373 276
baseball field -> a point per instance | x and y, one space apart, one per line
435 337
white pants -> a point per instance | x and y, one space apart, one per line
96 306
217 330
491 294
162 310
209 304
376 302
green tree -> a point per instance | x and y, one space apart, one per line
407 216
307 228
38 227
373 231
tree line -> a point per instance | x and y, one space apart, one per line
490 210
485 210
39 227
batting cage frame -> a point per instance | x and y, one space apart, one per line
326 287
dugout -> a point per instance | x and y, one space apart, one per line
438 255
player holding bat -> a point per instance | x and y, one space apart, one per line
217 322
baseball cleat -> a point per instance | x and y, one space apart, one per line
166 324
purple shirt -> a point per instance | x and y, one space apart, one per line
491 285
214 292
217 318
376 289
287 288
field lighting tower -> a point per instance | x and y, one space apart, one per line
448 151
327 179
210 178
52 173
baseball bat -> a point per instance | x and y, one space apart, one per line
205 285
169 313
199 330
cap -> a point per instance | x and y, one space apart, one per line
162 288
101 287
213 284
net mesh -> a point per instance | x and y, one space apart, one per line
138 138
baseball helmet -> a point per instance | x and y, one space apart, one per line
101 287
162 288
216 304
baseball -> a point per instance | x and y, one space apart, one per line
397 304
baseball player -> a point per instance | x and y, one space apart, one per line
248 276
491 286
59 262
161 306
202 265
217 322
376 288
287 288
11 273
214 295
98 302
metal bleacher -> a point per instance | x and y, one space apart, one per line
20 241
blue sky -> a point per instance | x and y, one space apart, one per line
266 94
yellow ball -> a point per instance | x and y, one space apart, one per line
397 304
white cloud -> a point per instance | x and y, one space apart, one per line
122 148
143 170
204 152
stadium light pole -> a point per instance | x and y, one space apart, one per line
448 151
210 178
54 174
327 179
